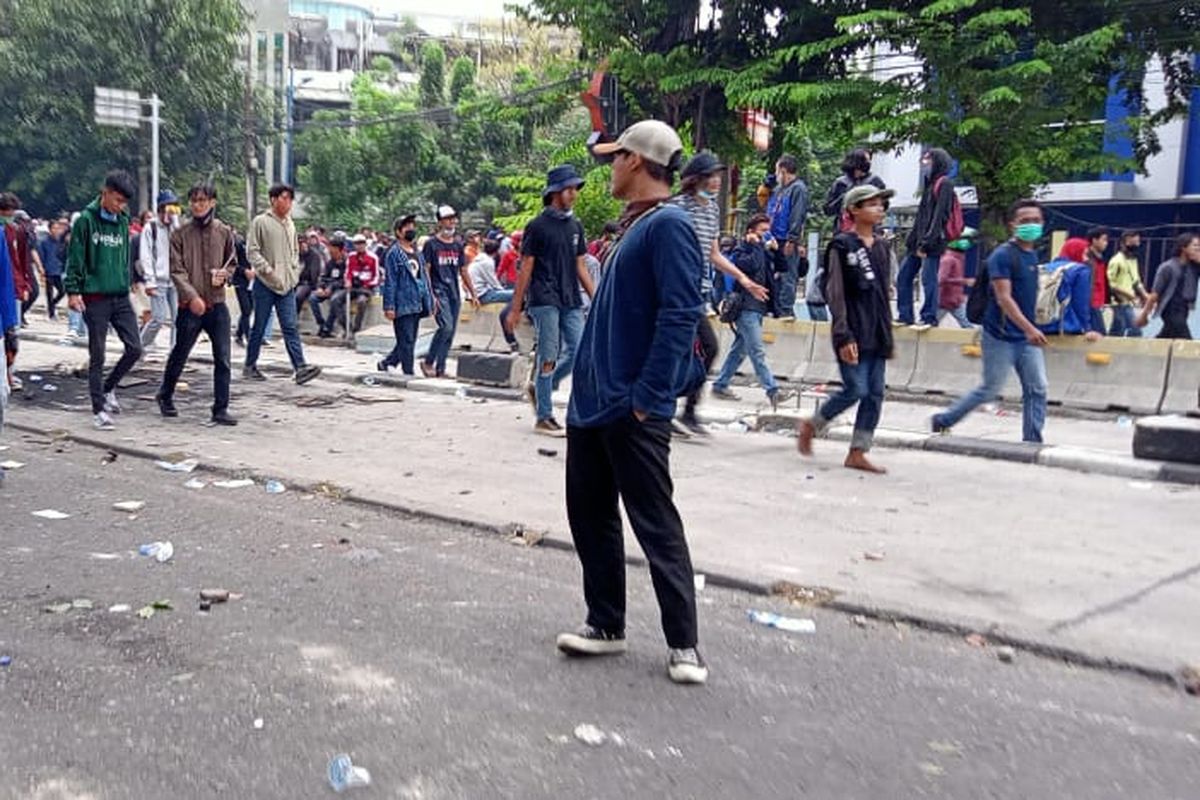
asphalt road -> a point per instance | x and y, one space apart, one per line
426 652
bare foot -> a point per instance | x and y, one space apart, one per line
858 460
805 433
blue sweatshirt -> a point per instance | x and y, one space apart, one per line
637 349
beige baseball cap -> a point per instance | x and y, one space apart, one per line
650 139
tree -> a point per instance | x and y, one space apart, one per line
1014 106
433 75
52 52
462 79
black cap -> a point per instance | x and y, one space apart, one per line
703 163
402 221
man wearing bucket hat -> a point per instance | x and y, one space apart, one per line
857 286
552 271
154 258
635 359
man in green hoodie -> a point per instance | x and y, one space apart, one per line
97 285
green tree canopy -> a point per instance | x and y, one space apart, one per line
433 75
462 79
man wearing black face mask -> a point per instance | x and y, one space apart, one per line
927 241
203 257
1125 285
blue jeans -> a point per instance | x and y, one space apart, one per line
558 333
501 296
748 341
75 322
999 356
959 314
862 383
447 323
783 293
818 312
928 270
1122 324
284 306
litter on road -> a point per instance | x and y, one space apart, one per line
590 735
50 513
194 483
105 556
214 595
129 505
120 608
275 487
790 624
233 483
160 551
5 661
1006 654
187 465
11 464
344 775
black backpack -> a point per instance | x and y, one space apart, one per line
981 292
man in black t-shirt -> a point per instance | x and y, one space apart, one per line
331 286
447 262
552 271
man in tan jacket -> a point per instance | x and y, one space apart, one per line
274 254
202 260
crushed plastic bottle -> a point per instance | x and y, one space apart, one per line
160 551
773 620
344 775
275 487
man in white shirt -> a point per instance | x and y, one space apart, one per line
482 272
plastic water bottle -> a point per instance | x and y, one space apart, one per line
160 551
344 775
773 620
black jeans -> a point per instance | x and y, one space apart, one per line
710 346
54 293
214 322
34 292
629 460
245 311
405 328
98 314
337 308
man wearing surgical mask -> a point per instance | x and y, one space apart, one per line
1010 340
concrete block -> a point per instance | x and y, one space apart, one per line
493 369
1167 438
1182 395
1112 373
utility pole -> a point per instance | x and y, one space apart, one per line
123 109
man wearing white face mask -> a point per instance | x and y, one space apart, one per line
154 257
446 259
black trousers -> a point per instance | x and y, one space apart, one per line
405 328
629 460
98 315
214 322
710 346
245 311
54 293
34 292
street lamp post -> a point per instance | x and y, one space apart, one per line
123 109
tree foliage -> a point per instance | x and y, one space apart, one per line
52 54
462 79
433 75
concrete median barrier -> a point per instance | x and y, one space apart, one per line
1182 395
903 365
1112 373
789 347
949 361
822 367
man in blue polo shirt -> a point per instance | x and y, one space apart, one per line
1010 339
635 358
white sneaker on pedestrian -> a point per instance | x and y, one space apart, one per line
103 422
111 405
686 666
589 641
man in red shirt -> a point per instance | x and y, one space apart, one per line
1097 244
506 270
362 278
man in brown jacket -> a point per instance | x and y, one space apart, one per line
202 260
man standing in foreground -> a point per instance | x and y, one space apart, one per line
203 258
635 358
1010 339
274 254
98 286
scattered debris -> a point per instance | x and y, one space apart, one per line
82 603
361 556
518 534
214 595
874 555
186 465
275 487
1124 421
699 580
1190 676
120 608
5 661
35 378
354 526
931 769
790 624
945 748
162 552
146 612
590 735
11 464
50 513
258 723
194 483
330 490
1006 654
976 640
108 458
58 608
105 556
344 775
859 620
129 505
233 483
803 595
561 738
547 452
49 387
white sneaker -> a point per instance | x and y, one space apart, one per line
686 666
111 405
103 422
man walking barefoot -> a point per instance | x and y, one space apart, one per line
635 358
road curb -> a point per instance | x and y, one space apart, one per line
848 605
1077 459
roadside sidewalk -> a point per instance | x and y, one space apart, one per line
1093 564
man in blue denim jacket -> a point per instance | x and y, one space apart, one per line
406 295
